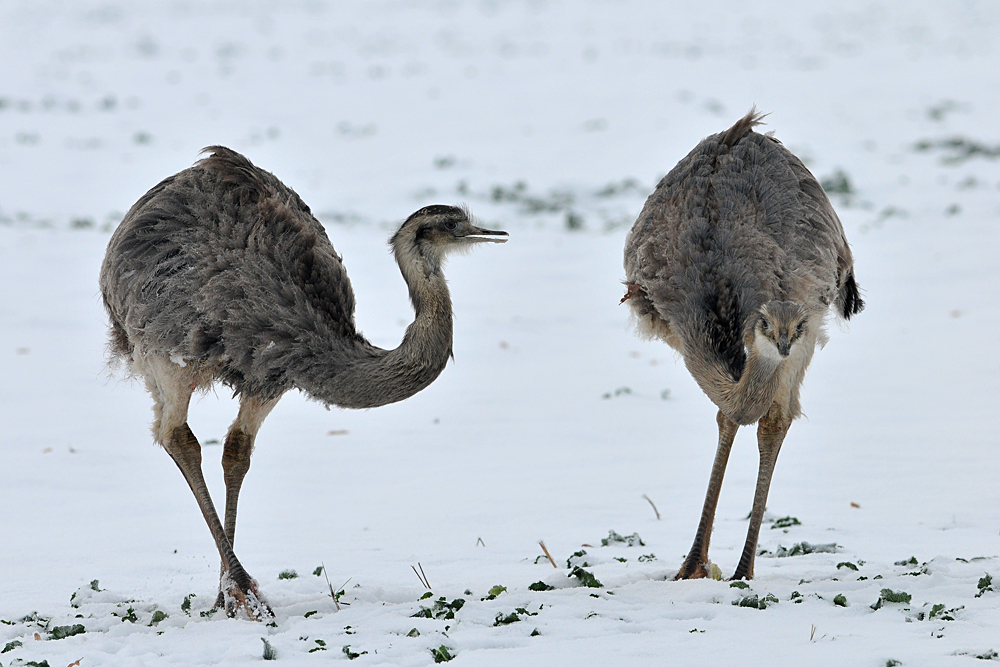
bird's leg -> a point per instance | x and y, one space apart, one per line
770 434
236 455
694 566
185 450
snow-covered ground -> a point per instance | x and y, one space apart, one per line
552 120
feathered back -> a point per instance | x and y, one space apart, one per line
223 266
738 222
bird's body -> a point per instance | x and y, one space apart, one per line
221 274
735 261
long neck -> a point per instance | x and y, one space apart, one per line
365 376
743 401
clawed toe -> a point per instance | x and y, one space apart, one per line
245 595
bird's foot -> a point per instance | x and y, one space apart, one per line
698 568
239 591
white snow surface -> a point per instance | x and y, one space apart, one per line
554 420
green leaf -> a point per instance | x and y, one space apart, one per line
64 631
269 652
413 633
739 584
351 655
288 574
785 522
586 578
157 617
540 586
442 654
840 600
12 645
628 540
309 613
318 571
889 595
848 565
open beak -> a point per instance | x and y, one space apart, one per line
484 235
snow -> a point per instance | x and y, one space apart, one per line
552 423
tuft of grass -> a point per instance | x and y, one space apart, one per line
840 600
585 578
540 586
269 652
288 574
785 522
442 654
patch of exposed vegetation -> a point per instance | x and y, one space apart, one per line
628 540
442 609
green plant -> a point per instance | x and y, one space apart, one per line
540 586
985 584
628 540
157 617
442 654
785 522
64 631
186 605
351 655
848 565
288 574
585 578
442 609
840 600
269 652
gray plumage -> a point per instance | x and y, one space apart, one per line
735 261
221 273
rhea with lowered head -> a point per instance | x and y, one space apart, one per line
221 274
735 262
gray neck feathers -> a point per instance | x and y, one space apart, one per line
364 376
743 401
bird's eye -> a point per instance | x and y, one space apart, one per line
765 325
800 328
451 225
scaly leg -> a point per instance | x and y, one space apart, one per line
694 566
236 455
770 434
171 387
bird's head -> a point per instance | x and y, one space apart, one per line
780 326
435 231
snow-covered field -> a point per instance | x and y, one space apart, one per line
552 120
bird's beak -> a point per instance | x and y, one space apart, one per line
483 235
783 345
